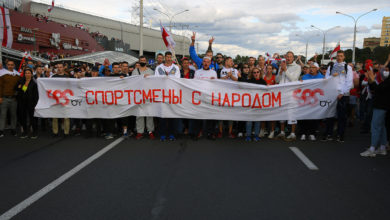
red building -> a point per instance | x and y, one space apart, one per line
35 33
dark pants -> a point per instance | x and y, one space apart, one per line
367 115
197 125
167 126
25 115
341 118
388 125
98 125
308 127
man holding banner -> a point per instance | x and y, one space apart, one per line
168 69
289 72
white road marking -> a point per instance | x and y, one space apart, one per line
45 190
303 158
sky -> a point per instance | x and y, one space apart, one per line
252 27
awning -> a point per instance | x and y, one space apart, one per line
99 57
18 55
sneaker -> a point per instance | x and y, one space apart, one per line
380 151
23 136
261 134
265 132
211 137
368 153
219 135
151 136
340 139
312 137
54 135
240 134
291 137
327 138
1 134
271 135
125 135
34 136
109 136
248 138
303 137
281 136
256 139
14 133
232 136
139 136
172 138
163 138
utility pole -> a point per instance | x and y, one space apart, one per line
141 24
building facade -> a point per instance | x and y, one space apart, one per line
385 35
110 28
371 42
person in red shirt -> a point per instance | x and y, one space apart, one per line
270 79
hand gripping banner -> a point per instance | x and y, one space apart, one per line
166 97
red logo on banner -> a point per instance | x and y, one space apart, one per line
307 96
61 97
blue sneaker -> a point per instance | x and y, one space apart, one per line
256 139
163 138
125 135
248 138
172 138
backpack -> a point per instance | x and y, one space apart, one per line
331 67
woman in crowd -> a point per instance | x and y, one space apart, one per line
381 105
256 77
270 79
27 96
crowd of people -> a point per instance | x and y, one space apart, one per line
362 90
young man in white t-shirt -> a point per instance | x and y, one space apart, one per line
227 73
167 125
205 73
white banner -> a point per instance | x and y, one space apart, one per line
113 97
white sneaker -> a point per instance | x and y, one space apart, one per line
271 135
312 137
368 153
261 134
281 136
240 134
381 152
303 137
291 137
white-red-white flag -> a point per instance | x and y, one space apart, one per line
6 38
167 38
334 52
27 55
51 6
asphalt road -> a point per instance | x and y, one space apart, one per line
186 179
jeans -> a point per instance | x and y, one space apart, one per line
378 127
256 125
11 105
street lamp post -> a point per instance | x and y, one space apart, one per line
307 45
323 43
354 29
170 16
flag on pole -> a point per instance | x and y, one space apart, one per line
5 28
51 6
167 38
26 55
334 52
